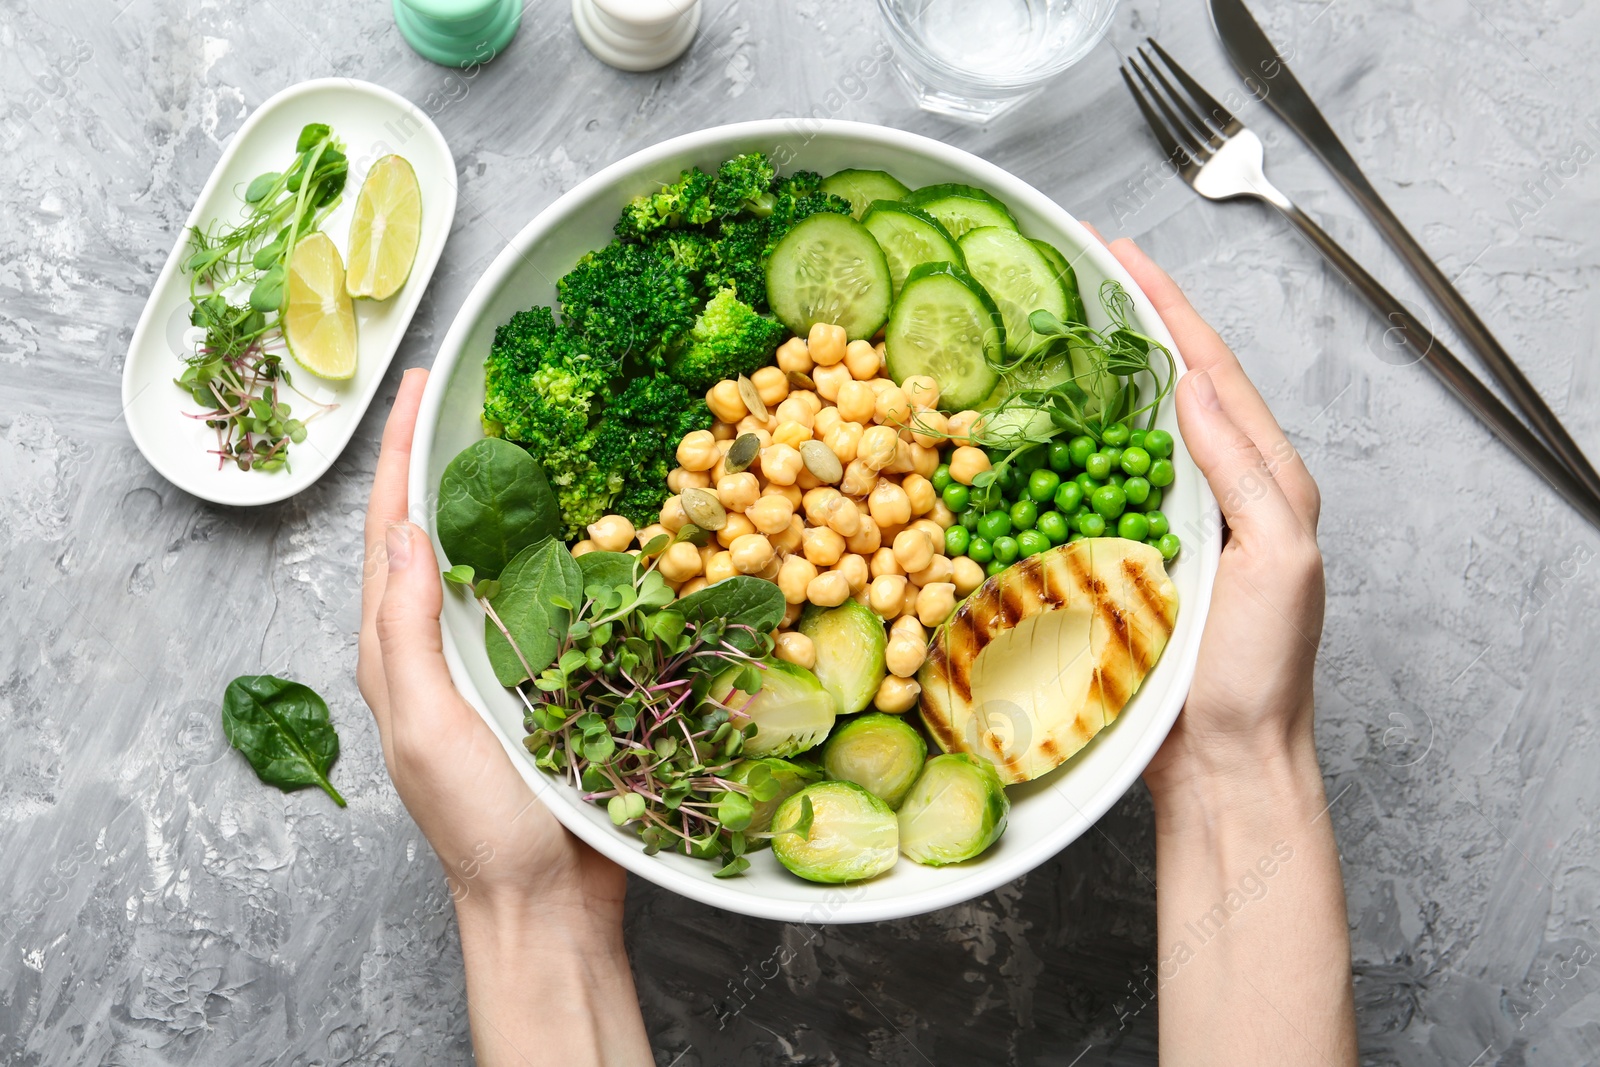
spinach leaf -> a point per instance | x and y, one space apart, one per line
494 501
738 601
538 590
607 568
282 728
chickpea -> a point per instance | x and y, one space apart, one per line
793 356
770 514
790 538
672 516
805 480
793 577
922 390
824 422
939 569
854 569
791 615
723 431
906 627
650 533
878 447
822 546
885 594
844 440
611 533
924 460
908 602
772 385
792 493
962 425
889 504
967 574
897 695
935 603
791 433
912 550
751 552
795 411
829 380
928 428
934 531
828 589
842 517
693 585
698 451
781 464
826 343
725 402
679 479
883 562
866 540
679 562
856 402
736 526
862 359
967 462
807 397
738 491
903 458
796 648
707 550
762 428
894 409
859 478
584 547
720 566
920 492
904 657
815 503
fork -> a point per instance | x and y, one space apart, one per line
1222 159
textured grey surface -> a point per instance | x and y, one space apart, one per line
159 906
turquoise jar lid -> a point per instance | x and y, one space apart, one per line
458 33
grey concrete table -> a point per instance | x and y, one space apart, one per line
159 906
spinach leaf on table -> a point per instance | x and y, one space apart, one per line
282 728
537 592
494 501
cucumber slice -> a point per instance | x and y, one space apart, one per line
1019 279
909 238
862 187
1069 281
946 326
960 208
829 268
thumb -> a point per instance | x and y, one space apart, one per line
1252 502
408 628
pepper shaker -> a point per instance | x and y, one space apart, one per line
636 34
458 33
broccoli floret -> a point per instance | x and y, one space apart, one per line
638 441
729 339
630 300
743 184
800 196
686 201
740 260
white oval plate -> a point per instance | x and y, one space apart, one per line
1047 814
372 122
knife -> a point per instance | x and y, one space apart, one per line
1269 77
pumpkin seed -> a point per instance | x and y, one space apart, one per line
801 380
821 462
752 399
741 453
704 509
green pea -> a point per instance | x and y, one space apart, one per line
1031 543
957 497
956 539
1087 482
994 525
941 478
1024 513
1158 523
1098 466
1169 545
1116 478
1158 443
1116 435
1114 454
1133 526
1161 473
1080 449
1031 459
1135 460
1136 439
1137 490
1042 484
1153 501
1068 497
1006 549
1012 481
1060 456
994 567
986 498
1054 526
969 519
1109 501
1092 525
979 550
1074 536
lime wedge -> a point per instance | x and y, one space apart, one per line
384 230
319 321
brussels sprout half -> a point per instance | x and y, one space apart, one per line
881 753
956 810
787 778
792 711
853 835
850 644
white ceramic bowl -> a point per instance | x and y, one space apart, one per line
1047 814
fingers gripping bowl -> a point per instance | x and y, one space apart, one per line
1046 813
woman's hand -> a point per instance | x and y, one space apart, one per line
538 909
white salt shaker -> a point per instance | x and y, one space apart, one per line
636 34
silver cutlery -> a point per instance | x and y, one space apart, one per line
1222 159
